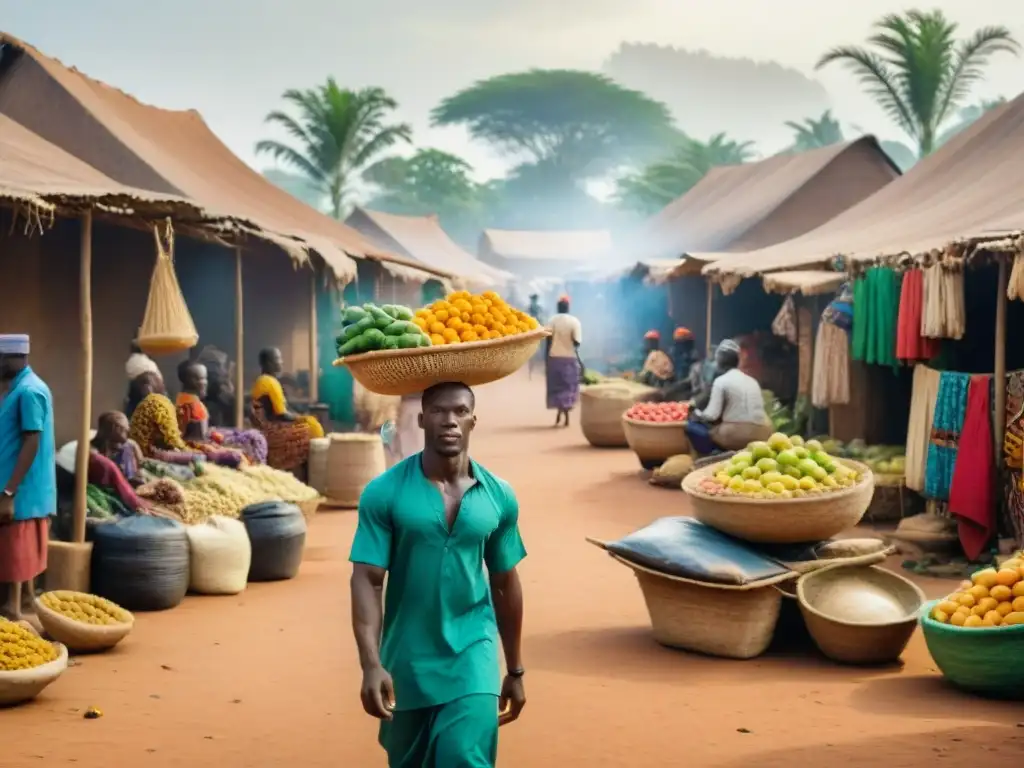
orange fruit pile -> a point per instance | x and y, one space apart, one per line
465 317
991 598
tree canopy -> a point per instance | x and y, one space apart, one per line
813 133
919 72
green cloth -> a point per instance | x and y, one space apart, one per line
440 639
876 304
460 734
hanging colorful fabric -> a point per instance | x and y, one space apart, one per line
167 326
875 308
910 344
971 493
784 324
943 315
950 410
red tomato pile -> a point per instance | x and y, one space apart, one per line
660 413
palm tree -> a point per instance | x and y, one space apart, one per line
918 71
337 134
814 134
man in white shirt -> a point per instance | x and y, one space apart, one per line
735 413
564 369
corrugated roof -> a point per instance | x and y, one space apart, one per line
581 245
968 190
422 238
740 207
170 152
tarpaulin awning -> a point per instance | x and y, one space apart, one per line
807 282
173 153
969 190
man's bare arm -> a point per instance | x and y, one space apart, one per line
367 612
507 593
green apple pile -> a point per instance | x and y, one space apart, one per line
783 467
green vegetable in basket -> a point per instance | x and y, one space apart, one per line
381 319
390 342
413 340
360 326
402 313
401 327
352 315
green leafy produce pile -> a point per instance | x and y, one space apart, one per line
370 328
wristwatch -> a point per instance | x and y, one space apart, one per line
8 494
517 672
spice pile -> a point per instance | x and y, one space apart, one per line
22 649
83 608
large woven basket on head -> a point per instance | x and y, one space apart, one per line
782 521
25 684
601 409
409 371
988 661
655 441
81 637
353 460
859 614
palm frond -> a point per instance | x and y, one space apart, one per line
289 156
878 80
970 59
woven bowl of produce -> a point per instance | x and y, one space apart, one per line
84 623
28 664
409 371
859 614
655 441
988 661
814 517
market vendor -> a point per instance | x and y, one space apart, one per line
429 655
154 426
28 474
684 354
735 414
194 419
288 434
563 366
658 370
115 461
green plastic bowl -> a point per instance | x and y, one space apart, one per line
988 661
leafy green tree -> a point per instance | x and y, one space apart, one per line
577 125
335 136
814 134
918 71
663 181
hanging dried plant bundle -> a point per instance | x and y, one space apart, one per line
167 326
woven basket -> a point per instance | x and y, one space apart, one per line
309 508
731 622
408 371
79 637
601 414
782 521
25 684
653 442
988 661
858 642
353 460
318 448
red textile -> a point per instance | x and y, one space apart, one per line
971 494
105 473
23 546
910 344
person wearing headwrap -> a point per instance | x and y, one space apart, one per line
683 353
28 474
734 415
658 370
563 366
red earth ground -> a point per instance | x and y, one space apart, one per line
270 678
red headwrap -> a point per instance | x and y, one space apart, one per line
682 334
652 335
564 297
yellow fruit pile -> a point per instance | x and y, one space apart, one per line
22 649
992 598
464 317
85 609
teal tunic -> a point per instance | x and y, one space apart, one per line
440 640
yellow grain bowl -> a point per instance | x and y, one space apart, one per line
733 623
353 460
410 371
79 637
782 521
859 639
601 409
25 684
653 441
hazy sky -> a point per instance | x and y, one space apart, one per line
231 59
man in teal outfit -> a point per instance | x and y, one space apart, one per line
430 654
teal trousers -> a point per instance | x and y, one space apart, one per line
460 734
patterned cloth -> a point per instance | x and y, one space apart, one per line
950 411
287 441
563 383
784 324
971 495
154 426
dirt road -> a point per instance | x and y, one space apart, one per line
270 678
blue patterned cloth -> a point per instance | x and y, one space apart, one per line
950 409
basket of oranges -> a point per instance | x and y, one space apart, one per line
475 339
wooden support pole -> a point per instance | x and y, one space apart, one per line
999 367
85 377
707 320
239 342
314 356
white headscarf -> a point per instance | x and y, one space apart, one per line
140 363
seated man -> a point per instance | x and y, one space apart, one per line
735 412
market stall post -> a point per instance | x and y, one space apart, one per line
707 318
314 355
68 562
239 343
999 367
